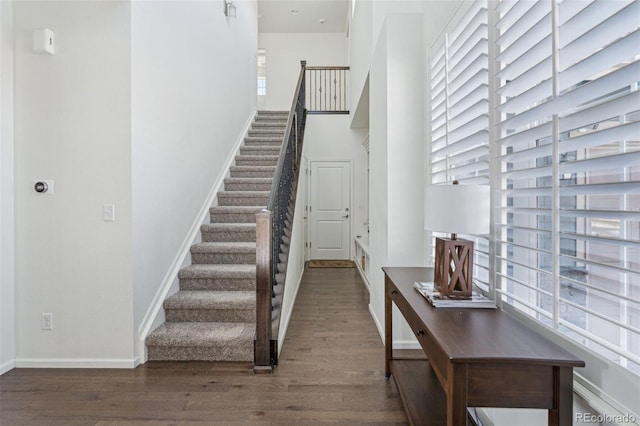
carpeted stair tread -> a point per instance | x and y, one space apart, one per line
236 209
248 180
243 198
263 141
266 132
218 271
228 232
234 214
229 227
243 194
266 112
224 300
249 157
219 253
224 247
269 124
248 183
252 171
256 160
214 334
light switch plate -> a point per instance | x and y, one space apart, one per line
109 213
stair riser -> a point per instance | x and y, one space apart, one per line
263 142
270 125
252 186
260 150
242 201
256 162
231 236
250 174
266 132
223 258
210 315
198 353
272 114
217 284
233 217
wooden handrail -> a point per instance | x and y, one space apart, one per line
327 68
270 226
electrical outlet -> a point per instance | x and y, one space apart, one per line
46 321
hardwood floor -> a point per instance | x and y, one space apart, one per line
331 370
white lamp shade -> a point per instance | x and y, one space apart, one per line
457 209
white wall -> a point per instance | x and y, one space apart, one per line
140 107
367 24
73 125
194 77
284 53
360 51
396 157
7 254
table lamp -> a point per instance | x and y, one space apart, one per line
456 209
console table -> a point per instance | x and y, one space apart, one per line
475 358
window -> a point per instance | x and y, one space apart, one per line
554 85
459 114
569 170
262 86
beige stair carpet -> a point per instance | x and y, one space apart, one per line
212 317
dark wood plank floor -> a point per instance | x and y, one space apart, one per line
331 371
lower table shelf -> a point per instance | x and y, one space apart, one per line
424 399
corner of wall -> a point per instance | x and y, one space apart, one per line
7 195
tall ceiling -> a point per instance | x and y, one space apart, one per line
302 16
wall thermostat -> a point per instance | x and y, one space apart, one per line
44 187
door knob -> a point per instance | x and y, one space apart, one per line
345 217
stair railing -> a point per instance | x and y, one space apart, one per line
270 227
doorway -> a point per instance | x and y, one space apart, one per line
330 210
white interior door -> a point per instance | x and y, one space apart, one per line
330 210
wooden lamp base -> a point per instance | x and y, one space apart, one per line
454 267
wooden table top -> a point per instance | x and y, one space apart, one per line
478 335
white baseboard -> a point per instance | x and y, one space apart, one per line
7 366
377 323
397 344
406 344
151 317
75 363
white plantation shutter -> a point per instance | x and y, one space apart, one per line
459 64
569 169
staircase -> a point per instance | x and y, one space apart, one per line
213 316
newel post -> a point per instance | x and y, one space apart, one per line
262 346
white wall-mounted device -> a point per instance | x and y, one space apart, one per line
43 187
43 41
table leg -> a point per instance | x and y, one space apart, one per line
388 326
456 394
562 412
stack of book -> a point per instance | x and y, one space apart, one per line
477 300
